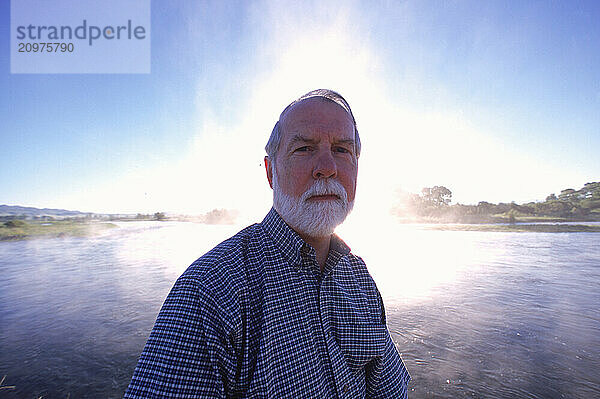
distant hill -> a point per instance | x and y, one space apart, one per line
15 210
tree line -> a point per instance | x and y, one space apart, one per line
434 204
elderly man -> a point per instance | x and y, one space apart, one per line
283 309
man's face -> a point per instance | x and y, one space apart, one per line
317 154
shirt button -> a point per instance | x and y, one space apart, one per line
346 388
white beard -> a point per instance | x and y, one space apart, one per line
314 219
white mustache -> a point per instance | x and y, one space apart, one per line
326 187
317 219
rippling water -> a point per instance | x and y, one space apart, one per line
490 315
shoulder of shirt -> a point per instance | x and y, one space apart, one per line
225 261
359 269
220 276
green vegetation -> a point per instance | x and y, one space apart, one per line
160 216
15 224
22 230
433 205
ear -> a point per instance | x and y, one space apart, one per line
268 169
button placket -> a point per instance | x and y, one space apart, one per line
338 363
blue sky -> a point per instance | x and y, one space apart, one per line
498 101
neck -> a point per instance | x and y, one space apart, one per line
321 246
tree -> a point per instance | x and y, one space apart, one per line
567 194
436 196
551 197
159 216
15 223
485 208
512 216
442 195
591 190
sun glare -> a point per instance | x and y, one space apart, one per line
401 260
402 147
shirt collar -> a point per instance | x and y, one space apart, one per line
292 246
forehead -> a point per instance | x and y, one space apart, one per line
315 116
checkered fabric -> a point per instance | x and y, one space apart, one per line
256 318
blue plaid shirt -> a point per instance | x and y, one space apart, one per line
256 318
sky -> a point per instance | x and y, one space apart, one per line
498 101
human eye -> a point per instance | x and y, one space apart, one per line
341 150
302 149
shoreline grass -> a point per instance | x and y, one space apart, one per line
17 230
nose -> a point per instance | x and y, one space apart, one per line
325 166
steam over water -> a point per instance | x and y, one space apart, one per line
484 315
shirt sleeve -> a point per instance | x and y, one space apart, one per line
188 353
386 376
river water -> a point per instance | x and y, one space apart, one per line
474 314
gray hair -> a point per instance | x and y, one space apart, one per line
273 144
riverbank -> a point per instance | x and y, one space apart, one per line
533 228
15 230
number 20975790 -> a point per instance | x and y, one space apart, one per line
46 47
